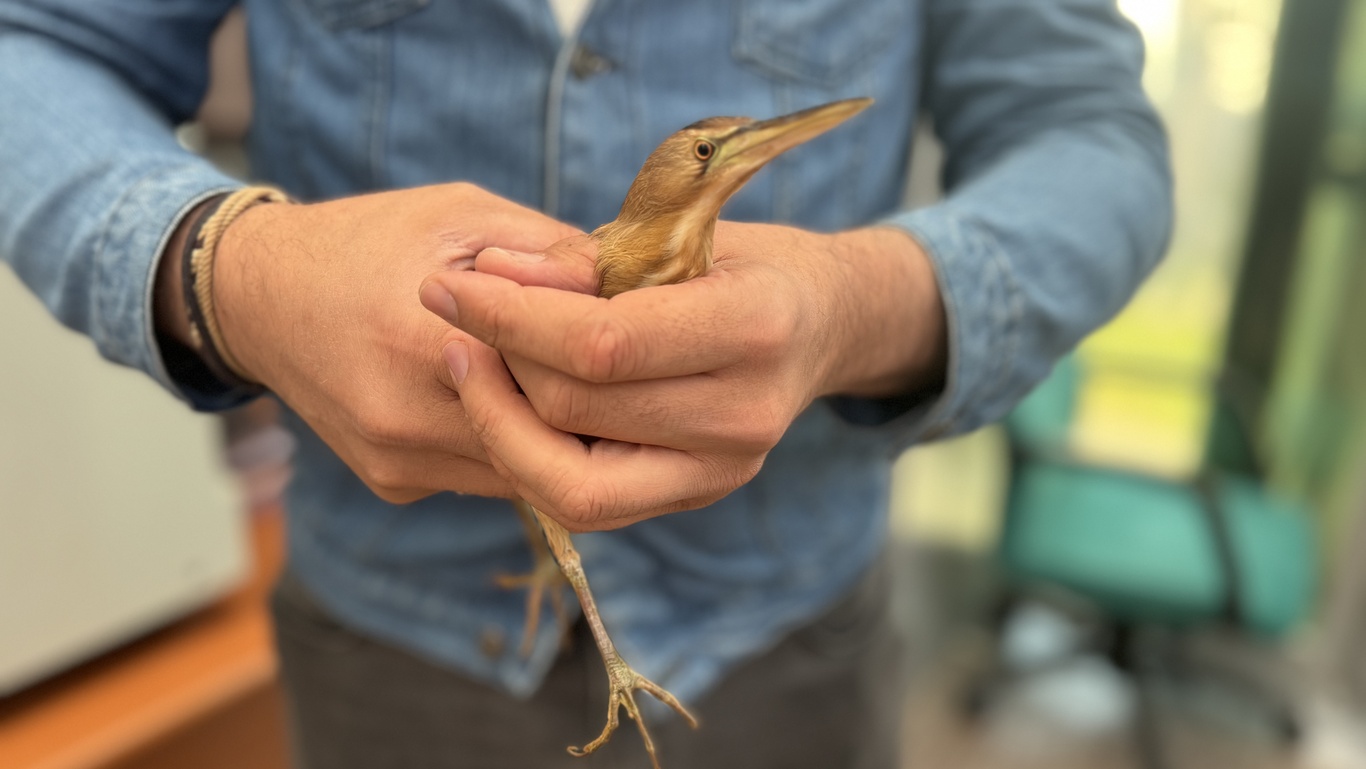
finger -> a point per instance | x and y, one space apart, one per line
502 221
440 371
663 331
473 478
605 485
566 265
428 443
443 426
698 413
431 446
432 473
403 476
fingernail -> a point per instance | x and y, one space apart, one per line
521 256
458 358
437 299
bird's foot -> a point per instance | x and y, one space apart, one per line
543 581
624 682
622 678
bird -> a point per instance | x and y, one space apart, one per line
663 234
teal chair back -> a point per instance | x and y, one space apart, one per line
1149 550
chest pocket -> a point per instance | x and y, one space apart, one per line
361 14
821 42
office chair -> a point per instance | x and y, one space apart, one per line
1143 561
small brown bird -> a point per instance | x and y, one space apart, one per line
664 235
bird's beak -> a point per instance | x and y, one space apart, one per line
751 146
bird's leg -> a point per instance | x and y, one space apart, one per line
622 679
544 580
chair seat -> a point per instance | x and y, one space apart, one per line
1143 549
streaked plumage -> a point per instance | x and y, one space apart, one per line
664 235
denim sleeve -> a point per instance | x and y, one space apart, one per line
94 182
1058 196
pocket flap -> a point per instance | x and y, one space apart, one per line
822 41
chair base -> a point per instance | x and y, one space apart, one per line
1147 657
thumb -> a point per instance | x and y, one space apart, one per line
442 365
566 265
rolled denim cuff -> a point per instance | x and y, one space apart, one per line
131 243
983 306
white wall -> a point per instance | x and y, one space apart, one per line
115 512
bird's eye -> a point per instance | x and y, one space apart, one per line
704 150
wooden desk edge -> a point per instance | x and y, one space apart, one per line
215 657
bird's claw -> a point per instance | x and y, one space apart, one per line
624 681
544 580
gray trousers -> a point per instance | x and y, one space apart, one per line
828 696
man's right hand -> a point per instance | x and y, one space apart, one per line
320 304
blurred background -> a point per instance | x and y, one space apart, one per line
1156 561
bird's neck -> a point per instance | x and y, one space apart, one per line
643 249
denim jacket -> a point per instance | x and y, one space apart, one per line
1057 204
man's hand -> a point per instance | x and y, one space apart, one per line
319 303
689 385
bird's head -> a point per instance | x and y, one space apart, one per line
669 214
702 165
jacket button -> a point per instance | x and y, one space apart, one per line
586 62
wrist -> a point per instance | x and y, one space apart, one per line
240 273
891 330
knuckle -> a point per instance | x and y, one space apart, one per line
387 428
487 484
739 471
374 425
753 436
564 407
773 333
389 486
746 470
769 433
585 504
580 247
725 474
392 495
385 478
488 425
603 352
758 429
492 326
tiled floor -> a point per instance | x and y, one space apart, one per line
1077 718
1081 717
